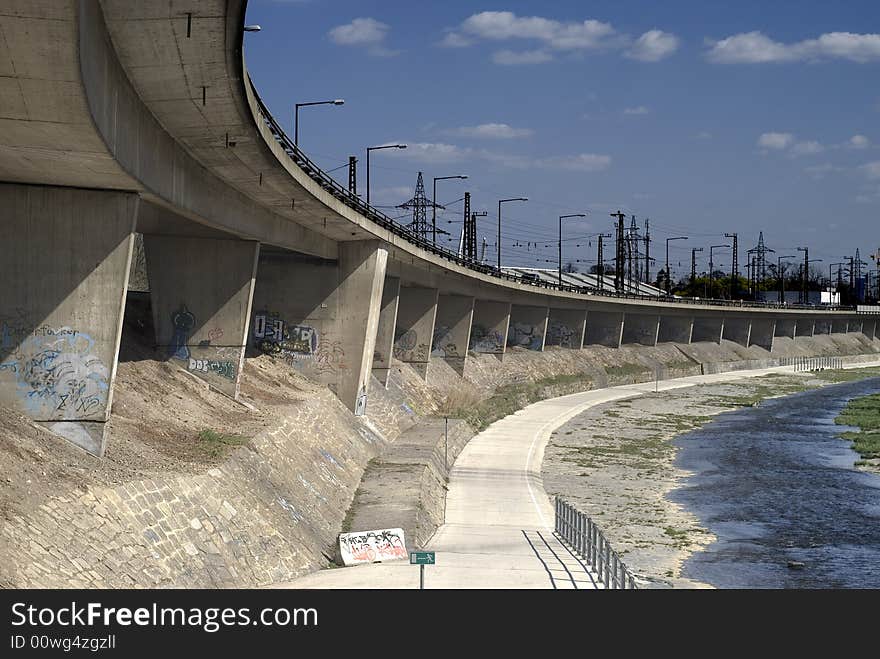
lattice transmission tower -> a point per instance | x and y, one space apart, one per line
419 205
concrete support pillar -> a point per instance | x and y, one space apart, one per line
452 329
604 328
786 327
708 328
566 327
64 263
640 329
528 327
822 326
805 327
385 330
201 291
762 332
854 326
490 324
416 315
321 317
675 329
738 328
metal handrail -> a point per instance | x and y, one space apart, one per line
330 185
585 538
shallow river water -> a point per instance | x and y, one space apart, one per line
776 485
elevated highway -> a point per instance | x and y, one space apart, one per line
120 119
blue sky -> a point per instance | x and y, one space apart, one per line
706 117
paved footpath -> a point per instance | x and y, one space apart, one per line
498 531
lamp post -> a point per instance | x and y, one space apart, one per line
252 28
807 263
781 275
562 217
668 276
376 148
502 201
337 101
712 267
434 203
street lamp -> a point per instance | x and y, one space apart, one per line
712 267
252 28
807 263
668 277
296 108
562 217
781 275
502 201
377 148
434 203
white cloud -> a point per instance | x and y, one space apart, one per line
872 170
553 35
653 46
367 32
807 148
858 142
455 40
820 171
512 58
583 162
778 141
756 48
491 131
431 152
704 135
641 109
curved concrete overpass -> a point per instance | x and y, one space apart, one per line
120 118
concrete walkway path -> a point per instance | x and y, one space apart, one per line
498 531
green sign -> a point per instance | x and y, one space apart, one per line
422 558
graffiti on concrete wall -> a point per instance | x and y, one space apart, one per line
224 369
299 345
407 347
183 321
372 546
560 334
525 334
14 329
485 339
57 375
444 344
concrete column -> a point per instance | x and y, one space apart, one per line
64 263
786 327
528 327
416 315
566 328
762 332
737 328
640 329
675 329
854 326
452 329
321 317
822 326
385 331
805 327
490 324
707 328
604 328
201 291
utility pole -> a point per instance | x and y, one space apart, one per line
734 266
803 296
693 266
600 261
467 229
621 252
647 251
473 244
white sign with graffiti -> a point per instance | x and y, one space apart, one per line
372 546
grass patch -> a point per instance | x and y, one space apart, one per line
216 444
849 375
626 370
863 413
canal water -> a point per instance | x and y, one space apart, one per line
775 484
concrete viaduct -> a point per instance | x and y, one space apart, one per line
120 118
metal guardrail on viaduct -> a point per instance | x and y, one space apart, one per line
122 119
